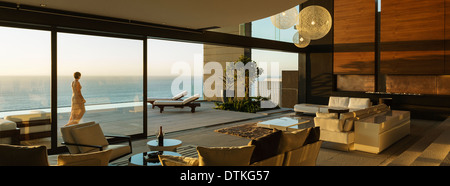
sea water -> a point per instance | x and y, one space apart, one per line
25 93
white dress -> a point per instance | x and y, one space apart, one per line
78 108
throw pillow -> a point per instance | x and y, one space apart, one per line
338 102
168 160
224 156
89 135
292 140
265 146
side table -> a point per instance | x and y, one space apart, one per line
141 159
169 145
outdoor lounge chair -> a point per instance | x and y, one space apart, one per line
188 102
176 97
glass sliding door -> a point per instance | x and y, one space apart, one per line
111 81
277 64
173 67
25 63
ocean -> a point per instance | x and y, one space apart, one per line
18 93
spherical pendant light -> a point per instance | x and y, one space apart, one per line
300 41
314 22
286 19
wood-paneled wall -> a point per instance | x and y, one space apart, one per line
447 36
414 45
412 37
354 37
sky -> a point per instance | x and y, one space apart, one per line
27 52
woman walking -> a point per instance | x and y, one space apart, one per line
78 101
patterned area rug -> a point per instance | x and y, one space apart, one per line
249 131
188 151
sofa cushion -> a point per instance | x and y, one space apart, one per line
15 155
307 108
361 113
303 156
179 95
7 125
168 160
100 158
89 135
224 156
340 102
381 108
192 98
313 135
330 124
168 102
66 132
28 117
265 146
276 160
327 115
118 150
292 140
348 124
361 103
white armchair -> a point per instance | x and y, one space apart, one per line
89 137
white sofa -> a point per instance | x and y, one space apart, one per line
352 104
32 126
370 130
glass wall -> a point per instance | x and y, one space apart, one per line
25 63
173 67
264 29
111 81
273 63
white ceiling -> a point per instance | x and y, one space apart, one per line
194 14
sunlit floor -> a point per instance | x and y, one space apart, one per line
327 157
197 129
129 120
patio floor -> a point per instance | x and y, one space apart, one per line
128 120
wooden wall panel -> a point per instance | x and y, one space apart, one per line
447 36
354 63
412 35
354 37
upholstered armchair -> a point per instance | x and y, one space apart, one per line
89 137
280 148
16 155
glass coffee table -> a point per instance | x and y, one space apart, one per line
168 145
284 123
143 159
